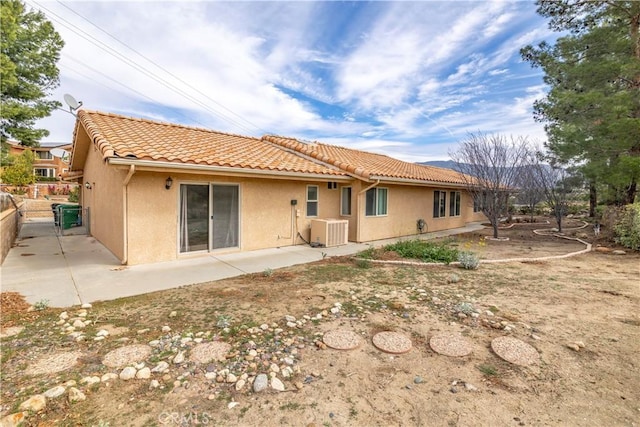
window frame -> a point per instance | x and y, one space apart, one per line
51 172
439 203
342 200
315 201
376 202
454 203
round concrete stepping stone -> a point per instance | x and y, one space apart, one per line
453 345
392 342
341 339
515 351
210 351
53 363
123 356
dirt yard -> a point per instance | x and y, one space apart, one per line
580 314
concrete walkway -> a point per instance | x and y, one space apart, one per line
72 270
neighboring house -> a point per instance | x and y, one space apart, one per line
50 161
159 191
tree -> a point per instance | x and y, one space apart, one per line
29 50
592 110
489 166
20 172
557 184
530 188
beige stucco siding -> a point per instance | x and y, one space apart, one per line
267 218
104 200
405 206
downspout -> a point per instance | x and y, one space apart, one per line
358 207
125 211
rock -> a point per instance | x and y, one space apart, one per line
14 420
78 324
128 373
173 314
287 371
86 305
90 380
231 378
143 374
335 310
276 384
232 405
603 249
470 387
102 333
64 315
618 252
418 380
166 328
108 377
35 403
579 344
260 383
289 318
179 358
274 367
161 367
54 392
76 395
240 385
299 385
288 360
574 346
535 337
154 384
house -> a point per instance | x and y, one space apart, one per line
159 191
51 161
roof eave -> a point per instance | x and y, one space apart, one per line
160 166
420 182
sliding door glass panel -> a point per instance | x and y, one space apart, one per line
225 216
194 217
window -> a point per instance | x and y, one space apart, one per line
454 203
478 201
44 155
44 172
345 201
439 203
312 200
376 202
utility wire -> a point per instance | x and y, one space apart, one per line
159 66
88 37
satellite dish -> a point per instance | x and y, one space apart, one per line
71 102
58 152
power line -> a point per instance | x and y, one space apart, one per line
101 45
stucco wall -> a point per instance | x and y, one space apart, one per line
267 218
405 206
10 221
104 200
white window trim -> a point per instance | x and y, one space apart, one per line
316 201
350 201
376 203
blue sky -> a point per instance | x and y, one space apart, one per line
407 79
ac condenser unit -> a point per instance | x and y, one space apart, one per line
329 232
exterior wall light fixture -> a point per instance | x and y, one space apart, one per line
87 185
168 183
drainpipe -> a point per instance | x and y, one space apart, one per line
358 207
125 206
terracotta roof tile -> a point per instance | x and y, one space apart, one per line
368 165
120 136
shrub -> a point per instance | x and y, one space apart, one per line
74 195
627 227
424 251
468 260
363 263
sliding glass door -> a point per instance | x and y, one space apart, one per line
209 217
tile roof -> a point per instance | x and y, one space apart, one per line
141 139
368 165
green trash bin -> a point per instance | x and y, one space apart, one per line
70 216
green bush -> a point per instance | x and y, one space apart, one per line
74 195
627 227
424 251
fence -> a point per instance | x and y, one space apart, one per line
10 221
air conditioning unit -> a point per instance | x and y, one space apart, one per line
329 232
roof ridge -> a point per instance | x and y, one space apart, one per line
163 123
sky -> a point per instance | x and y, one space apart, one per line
406 79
